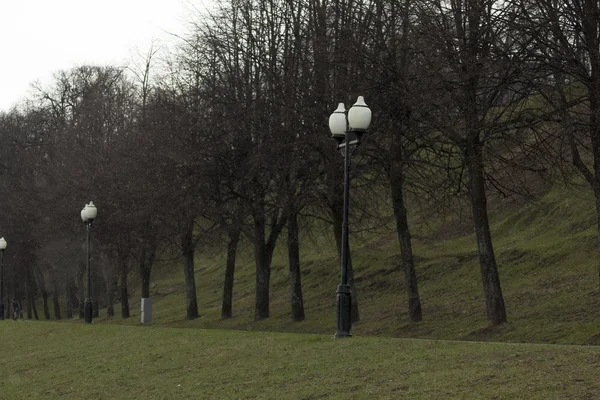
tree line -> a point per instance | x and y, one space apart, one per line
224 138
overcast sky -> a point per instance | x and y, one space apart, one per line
39 37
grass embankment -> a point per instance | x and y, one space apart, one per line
75 361
547 262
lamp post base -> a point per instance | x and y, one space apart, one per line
344 311
87 311
1 311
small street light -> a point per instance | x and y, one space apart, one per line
88 214
2 248
347 130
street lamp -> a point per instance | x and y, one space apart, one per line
2 248
88 214
347 130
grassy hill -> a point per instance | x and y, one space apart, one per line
75 361
547 263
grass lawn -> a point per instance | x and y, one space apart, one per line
48 360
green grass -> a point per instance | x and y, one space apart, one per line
547 263
77 361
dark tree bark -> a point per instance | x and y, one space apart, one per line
69 298
55 295
123 259
232 244
188 248
395 52
124 297
45 304
110 294
263 266
408 261
145 275
145 263
494 301
34 307
297 301
263 256
31 299
42 286
29 305
81 289
56 304
96 307
263 276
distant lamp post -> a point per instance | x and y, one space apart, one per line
347 130
2 248
88 214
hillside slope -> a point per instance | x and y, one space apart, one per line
547 262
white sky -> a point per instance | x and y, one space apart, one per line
40 37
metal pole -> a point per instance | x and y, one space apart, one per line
87 311
1 285
344 295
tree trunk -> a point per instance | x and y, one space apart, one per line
55 295
263 266
73 293
337 232
45 304
494 302
29 301
408 261
110 291
30 297
69 298
227 305
56 304
188 248
145 275
297 301
124 296
145 265
34 308
263 256
96 307
263 276
81 290
42 285
147 259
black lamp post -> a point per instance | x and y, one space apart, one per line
347 130
88 214
2 247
